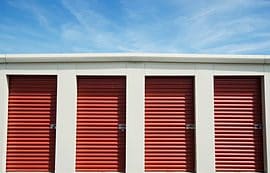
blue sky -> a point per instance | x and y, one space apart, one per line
160 26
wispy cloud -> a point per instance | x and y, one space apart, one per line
223 23
37 12
231 26
103 33
90 28
244 48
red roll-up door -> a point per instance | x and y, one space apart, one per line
31 112
169 120
101 111
238 124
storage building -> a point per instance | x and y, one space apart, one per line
134 113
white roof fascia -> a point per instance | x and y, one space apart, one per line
133 57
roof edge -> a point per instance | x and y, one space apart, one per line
133 57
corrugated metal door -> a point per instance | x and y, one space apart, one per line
31 111
238 124
101 111
169 119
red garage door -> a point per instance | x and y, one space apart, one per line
169 119
238 124
101 114
31 112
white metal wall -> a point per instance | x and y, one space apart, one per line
135 73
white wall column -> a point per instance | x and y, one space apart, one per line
3 119
204 118
266 118
135 118
66 119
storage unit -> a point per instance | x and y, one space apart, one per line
238 124
31 122
101 116
169 124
